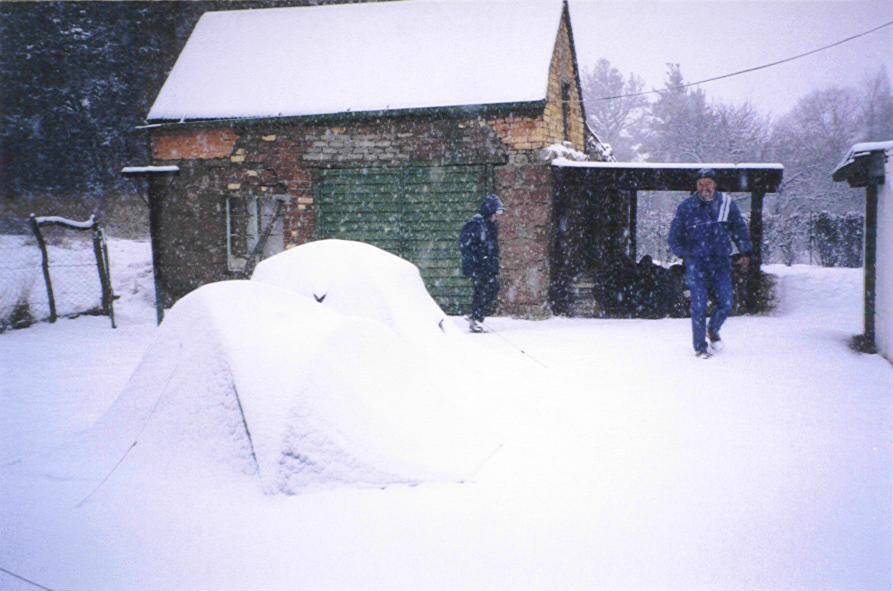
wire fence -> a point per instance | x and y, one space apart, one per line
72 268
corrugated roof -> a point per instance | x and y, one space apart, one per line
409 54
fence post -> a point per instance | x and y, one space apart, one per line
108 274
102 266
35 227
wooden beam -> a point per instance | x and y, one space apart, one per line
756 261
633 215
670 177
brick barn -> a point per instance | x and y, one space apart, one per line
381 122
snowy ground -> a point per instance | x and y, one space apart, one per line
624 463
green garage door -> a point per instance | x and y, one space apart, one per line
413 212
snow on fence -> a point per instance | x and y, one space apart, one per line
60 270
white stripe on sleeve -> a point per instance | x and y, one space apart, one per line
724 208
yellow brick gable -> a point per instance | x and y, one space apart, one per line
562 71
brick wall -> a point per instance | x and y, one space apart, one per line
279 159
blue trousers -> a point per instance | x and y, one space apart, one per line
706 276
486 288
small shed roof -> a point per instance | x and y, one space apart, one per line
676 176
287 62
859 167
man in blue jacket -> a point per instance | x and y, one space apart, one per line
479 244
700 234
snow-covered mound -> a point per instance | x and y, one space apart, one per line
360 280
255 377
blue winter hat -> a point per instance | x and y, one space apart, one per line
492 204
706 173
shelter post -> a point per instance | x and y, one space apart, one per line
633 214
155 241
154 192
756 239
870 263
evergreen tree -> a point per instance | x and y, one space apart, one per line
617 121
682 125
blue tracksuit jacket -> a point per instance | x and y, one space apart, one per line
704 228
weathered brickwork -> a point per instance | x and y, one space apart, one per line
194 145
563 72
283 158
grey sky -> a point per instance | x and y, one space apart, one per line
711 38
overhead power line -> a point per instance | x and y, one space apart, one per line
748 70
21 578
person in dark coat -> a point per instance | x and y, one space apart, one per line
700 234
479 244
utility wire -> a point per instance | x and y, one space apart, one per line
748 70
21 578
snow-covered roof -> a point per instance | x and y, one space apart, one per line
673 165
744 177
861 149
298 61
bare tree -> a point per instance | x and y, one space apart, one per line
876 112
810 141
742 134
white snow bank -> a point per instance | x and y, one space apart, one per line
766 467
251 376
360 280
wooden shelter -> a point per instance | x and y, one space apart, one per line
597 210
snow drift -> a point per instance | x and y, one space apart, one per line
360 280
264 380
